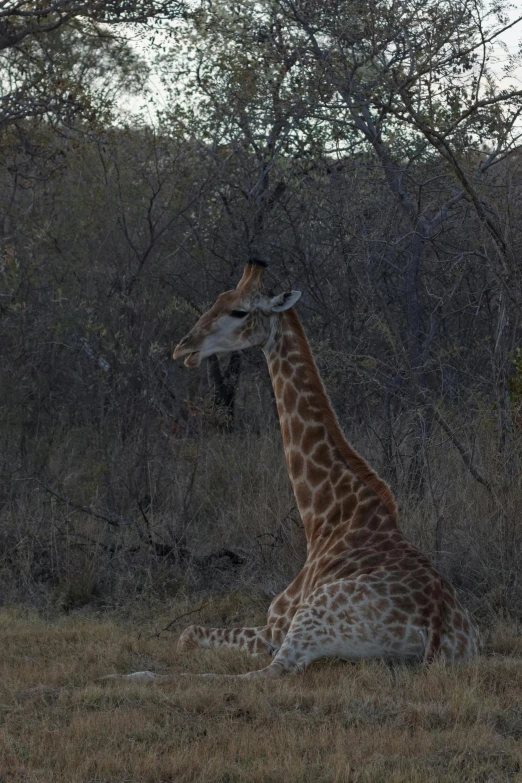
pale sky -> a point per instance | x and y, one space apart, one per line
512 38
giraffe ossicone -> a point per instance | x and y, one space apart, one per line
364 591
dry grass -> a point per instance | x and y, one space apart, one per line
231 491
338 722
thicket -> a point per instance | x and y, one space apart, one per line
371 159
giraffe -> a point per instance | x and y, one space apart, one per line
364 591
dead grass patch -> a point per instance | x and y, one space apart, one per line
367 722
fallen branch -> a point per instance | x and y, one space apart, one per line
193 611
175 620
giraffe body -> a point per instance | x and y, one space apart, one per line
365 591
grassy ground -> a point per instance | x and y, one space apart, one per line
337 722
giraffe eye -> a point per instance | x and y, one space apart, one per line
238 313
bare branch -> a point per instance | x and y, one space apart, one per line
84 509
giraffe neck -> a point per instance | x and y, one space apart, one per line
334 487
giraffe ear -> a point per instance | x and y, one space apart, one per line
284 301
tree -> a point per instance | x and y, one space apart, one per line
71 58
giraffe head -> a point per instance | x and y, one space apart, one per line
238 319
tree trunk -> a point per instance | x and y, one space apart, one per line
225 385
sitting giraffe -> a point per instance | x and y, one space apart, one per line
364 591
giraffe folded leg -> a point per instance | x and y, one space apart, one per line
149 676
255 641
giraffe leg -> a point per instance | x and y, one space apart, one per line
255 641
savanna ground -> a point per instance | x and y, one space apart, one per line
337 722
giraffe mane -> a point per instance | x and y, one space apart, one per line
357 463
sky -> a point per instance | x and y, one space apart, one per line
512 39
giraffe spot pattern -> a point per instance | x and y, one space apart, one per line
289 398
303 493
323 499
296 430
312 434
315 475
321 455
296 464
286 371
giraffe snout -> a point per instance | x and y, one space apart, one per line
180 347
188 345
